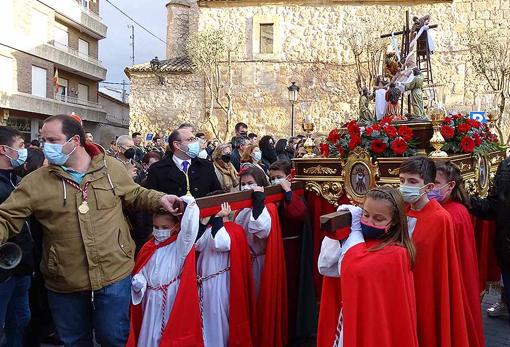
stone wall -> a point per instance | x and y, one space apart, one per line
155 107
310 49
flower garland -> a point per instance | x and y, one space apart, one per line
465 135
381 139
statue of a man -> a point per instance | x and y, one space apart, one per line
365 114
416 88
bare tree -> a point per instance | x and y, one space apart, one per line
490 58
212 52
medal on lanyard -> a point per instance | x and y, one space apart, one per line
84 207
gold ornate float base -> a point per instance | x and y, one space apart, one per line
332 178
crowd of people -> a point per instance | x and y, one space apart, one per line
115 250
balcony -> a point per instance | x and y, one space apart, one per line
74 14
30 103
77 101
71 60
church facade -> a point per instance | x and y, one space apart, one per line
302 42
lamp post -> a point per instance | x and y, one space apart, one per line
293 96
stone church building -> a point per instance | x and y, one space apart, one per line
297 41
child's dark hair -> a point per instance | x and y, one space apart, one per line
281 165
452 173
422 166
258 175
162 212
397 233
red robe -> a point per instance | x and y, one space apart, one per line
466 250
331 301
184 326
242 315
272 299
437 282
292 217
379 307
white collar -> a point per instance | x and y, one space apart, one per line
179 161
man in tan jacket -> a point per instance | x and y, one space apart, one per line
87 249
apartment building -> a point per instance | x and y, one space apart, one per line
49 62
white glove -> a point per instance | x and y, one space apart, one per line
138 282
356 213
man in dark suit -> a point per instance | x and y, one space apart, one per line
181 172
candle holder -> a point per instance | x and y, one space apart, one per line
308 128
436 112
492 105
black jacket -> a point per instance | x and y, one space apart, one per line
8 181
166 177
497 207
235 159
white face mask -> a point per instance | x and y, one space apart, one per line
277 181
161 235
248 186
202 154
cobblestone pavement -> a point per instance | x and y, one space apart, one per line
497 330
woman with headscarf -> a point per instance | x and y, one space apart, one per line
224 169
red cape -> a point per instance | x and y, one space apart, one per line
184 326
242 315
272 299
331 302
379 307
466 250
437 282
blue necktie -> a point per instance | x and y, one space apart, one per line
185 165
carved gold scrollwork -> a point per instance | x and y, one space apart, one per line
471 186
465 166
394 172
319 169
330 191
496 159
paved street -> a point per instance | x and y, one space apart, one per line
497 331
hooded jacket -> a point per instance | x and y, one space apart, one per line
80 251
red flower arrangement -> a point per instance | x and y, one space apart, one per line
464 135
381 139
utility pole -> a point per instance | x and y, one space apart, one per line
123 91
132 44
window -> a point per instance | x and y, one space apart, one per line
83 48
266 38
6 71
83 92
60 36
62 89
39 81
23 125
85 3
39 27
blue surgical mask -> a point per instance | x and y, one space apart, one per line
436 194
193 149
410 194
53 152
256 155
75 175
371 231
21 159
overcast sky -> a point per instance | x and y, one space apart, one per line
115 49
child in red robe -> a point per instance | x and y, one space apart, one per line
264 236
437 281
375 268
450 192
297 244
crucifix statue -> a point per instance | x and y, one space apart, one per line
413 56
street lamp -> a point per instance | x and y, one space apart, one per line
293 96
